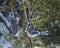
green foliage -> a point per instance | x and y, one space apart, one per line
47 18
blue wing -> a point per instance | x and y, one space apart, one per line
33 31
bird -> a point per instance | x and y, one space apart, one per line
32 32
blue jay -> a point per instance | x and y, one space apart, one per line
31 31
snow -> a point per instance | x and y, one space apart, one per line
4 42
3 28
23 46
17 33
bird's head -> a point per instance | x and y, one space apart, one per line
29 24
